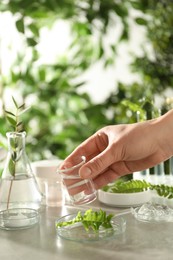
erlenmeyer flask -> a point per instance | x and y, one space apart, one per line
20 198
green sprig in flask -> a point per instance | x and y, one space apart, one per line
20 198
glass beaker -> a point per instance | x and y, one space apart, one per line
20 198
80 191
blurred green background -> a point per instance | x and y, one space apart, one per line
61 115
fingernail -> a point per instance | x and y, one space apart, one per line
85 173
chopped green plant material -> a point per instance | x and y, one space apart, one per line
90 219
138 186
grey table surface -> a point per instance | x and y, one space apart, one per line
140 240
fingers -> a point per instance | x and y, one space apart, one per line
75 186
89 148
122 168
112 173
97 165
115 171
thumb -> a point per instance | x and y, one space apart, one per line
97 165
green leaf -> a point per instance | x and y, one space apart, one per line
132 106
10 113
31 42
18 124
124 35
127 186
11 121
23 111
15 103
80 84
141 21
42 74
120 10
139 185
101 51
21 106
34 29
14 156
20 25
136 5
12 167
90 219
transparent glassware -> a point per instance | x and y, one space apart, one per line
79 191
153 212
20 198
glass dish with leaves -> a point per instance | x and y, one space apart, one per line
20 197
90 226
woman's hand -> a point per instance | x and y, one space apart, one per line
118 150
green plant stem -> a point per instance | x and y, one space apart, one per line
9 194
10 189
11 184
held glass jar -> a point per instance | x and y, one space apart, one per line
20 198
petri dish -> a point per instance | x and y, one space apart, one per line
153 213
18 218
77 232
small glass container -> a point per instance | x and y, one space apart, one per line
18 218
20 198
53 193
80 191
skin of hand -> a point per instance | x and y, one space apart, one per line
117 150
